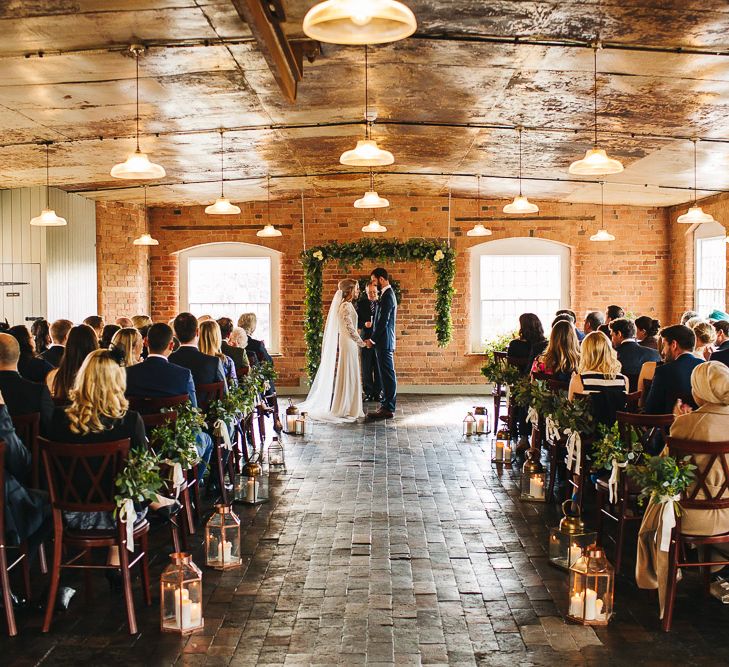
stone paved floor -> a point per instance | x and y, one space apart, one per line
387 544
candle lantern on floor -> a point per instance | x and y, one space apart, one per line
181 596
482 420
292 412
469 425
567 542
303 425
222 539
592 580
533 478
276 457
251 487
502 452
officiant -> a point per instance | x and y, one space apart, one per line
366 308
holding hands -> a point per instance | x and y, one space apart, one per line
369 343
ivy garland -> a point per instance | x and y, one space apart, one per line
353 254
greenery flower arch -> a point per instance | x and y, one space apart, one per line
442 257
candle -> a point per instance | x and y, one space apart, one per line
499 451
591 604
574 555
291 423
469 428
182 609
599 614
481 425
251 491
224 552
576 605
195 614
507 454
536 487
299 427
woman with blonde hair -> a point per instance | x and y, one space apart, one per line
705 338
129 344
599 368
210 342
562 356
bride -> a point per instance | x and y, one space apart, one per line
336 393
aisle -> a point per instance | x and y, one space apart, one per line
390 544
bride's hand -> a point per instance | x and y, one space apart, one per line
368 325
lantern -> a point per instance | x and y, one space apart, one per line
251 487
567 542
502 447
592 580
482 420
276 459
181 596
303 425
533 478
469 425
222 539
292 412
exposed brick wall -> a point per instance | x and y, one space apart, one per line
123 268
632 271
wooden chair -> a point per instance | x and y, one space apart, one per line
553 447
500 392
81 479
704 455
632 401
6 567
206 394
625 509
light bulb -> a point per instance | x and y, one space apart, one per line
521 205
269 231
222 206
367 154
374 227
48 218
145 239
137 167
596 163
371 200
479 230
602 235
361 14
695 215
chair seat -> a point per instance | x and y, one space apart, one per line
721 538
100 538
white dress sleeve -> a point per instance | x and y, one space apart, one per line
347 312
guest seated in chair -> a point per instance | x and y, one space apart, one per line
205 368
631 354
708 423
80 343
593 322
210 343
722 342
30 366
41 332
234 346
107 335
96 322
646 331
130 344
705 339
562 355
59 336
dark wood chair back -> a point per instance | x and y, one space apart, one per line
154 419
650 429
2 494
705 456
27 428
207 393
632 401
81 476
146 405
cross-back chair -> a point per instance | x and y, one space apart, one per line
499 391
206 394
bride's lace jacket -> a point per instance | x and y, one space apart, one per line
348 314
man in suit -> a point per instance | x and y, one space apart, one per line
205 368
722 342
383 341
672 380
21 395
59 336
237 354
612 313
593 322
366 309
96 322
631 354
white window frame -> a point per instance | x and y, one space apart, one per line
240 250
704 232
513 246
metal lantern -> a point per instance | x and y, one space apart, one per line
533 478
251 487
502 452
567 542
276 458
181 596
592 582
303 425
292 412
482 420
469 425
222 539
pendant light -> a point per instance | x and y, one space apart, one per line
596 161
222 205
374 227
479 229
695 214
268 231
602 234
367 153
48 217
146 237
521 204
359 21
137 166
371 199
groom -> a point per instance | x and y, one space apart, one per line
383 340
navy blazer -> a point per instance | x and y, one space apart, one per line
53 354
156 377
383 326
259 349
632 356
23 396
205 368
671 381
720 355
365 314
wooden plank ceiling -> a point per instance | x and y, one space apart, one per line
447 99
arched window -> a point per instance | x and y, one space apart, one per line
228 279
710 267
514 276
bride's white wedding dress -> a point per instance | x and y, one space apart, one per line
336 393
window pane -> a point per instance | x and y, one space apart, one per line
710 274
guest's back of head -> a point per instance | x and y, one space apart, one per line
247 322
25 340
9 352
226 327
81 342
186 327
648 325
210 339
594 320
614 312
140 321
129 343
530 328
124 322
59 331
623 326
681 335
238 337
598 356
563 352
40 330
159 337
96 322
687 315
107 335
566 311
705 334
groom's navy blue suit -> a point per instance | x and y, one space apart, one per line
383 337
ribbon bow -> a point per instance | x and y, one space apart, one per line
221 429
128 515
178 478
668 520
533 417
574 450
552 429
613 481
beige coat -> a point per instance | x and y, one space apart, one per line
710 423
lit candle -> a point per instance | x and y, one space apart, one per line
599 613
481 425
291 423
507 454
536 487
251 491
591 604
499 451
195 614
576 605
299 427
224 552
469 428
574 555
182 602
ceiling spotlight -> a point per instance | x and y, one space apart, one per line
146 238
374 227
695 214
222 205
48 217
137 166
596 161
269 231
359 21
602 234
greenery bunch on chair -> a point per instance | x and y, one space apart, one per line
575 415
663 476
610 447
175 441
140 479
236 404
258 380
499 343
498 371
537 394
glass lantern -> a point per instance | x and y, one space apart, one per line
469 425
251 487
592 581
482 420
222 537
181 596
533 478
303 425
567 542
292 413
502 452
276 458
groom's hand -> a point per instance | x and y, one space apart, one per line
369 343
